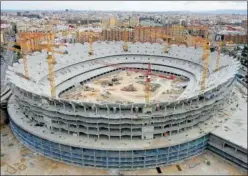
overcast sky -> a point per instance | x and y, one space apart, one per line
124 5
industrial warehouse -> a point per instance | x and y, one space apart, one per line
85 111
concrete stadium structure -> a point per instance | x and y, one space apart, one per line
117 135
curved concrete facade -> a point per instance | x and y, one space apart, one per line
115 123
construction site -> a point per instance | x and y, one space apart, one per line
127 104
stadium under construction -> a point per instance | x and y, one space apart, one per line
102 114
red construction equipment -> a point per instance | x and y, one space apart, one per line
148 73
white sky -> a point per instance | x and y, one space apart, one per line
125 5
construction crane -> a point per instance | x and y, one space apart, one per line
50 60
25 44
170 39
206 45
205 59
125 47
148 73
220 43
91 48
21 47
91 36
162 36
32 42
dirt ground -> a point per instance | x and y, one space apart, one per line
167 89
18 160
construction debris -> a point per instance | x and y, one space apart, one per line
22 167
10 169
87 88
129 88
194 165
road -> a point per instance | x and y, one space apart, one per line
5 62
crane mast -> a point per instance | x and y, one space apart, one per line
148 84
166 49
51 62
205 59
25 64
218 57
125 47
91 48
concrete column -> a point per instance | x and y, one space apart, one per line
96 109
73 106
68 131
223 144
178 150
88 136
63 106
107 109
165 109
204 99
131 128
168 153
119 109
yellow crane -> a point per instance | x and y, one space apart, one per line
50 59
125 47
31 43
91 42
220 43
205 44
205 59
162 36
181 39
25 45
21 47
91 36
